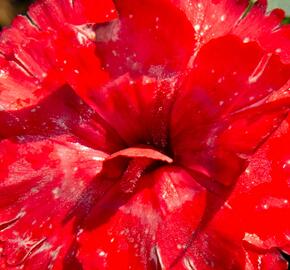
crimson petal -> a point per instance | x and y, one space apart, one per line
233 109
231 68
260 196
141 41
40 182
138 234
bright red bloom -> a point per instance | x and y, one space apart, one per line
145 135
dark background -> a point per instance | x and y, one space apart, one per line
10 8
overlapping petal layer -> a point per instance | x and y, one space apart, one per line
252 224
31 48
95 98
143 42
41 179
224 110
159 217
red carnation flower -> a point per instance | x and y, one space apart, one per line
145 135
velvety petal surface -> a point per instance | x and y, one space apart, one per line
137 109
41 179
212 19
157 219
34 47
70 115
151 38
249 227
224 110
144 135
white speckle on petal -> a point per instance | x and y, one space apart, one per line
196 27
102 253
260 68
246 40
56 192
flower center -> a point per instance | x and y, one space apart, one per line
130 164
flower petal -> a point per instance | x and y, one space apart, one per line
219 246
262 193
70 115
137 234
267 30
212 18
150 38
225 111
55 14
31 47
24 64
235 97
233 236
40 181
137 109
